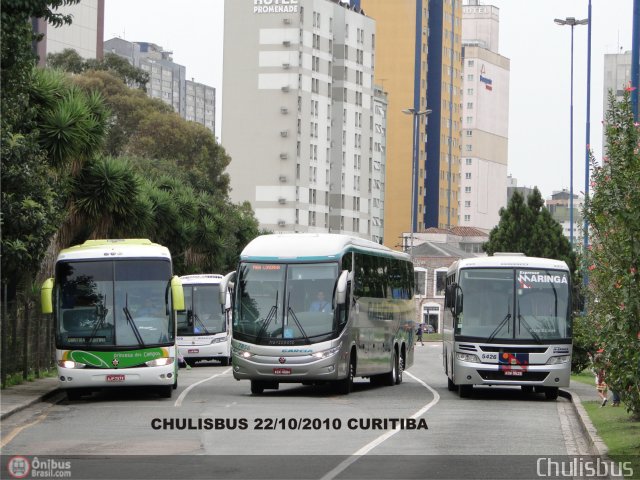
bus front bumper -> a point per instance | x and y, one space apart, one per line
112 377
289 369
468 373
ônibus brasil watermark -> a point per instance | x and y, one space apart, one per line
23 467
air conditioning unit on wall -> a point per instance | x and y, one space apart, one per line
281 223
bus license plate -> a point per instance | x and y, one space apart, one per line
282 371
115 378
193 350
513 373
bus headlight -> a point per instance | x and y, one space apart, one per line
558 360
159 362
70 364
467 357
327 353
219 340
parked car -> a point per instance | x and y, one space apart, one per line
429 329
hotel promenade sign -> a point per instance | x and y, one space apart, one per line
275 6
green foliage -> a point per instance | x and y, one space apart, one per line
614 255
70 61
583 343
529 228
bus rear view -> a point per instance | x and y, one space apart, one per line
508 322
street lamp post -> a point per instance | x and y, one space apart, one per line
572 22
414 167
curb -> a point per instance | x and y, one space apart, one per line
587 426
28 403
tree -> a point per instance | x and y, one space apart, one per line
613 258
529 228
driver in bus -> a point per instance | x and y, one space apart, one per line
320 304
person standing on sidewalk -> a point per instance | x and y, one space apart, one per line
601 384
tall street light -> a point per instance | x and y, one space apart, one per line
572 22
414 168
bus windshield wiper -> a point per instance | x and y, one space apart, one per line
499 327
130 321
535 336
295 319
197 318
272 314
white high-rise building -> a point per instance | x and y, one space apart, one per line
298 115
617 75
485 119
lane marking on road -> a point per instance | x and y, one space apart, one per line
385 436
17 430
190 387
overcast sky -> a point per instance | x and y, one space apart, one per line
539 50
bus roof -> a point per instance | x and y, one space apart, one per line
115 248
201 279
517 261
311 246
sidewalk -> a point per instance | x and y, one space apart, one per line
18 397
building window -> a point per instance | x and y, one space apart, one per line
467 189
467 218
420 276
439 282
468 161
467 176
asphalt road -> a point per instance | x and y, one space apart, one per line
214 428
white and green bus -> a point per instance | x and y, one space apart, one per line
114 305
507 321
204 329
318 308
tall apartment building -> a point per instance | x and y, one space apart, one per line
84 35
418 63
298 115
485 118
167 80
617 75
559 207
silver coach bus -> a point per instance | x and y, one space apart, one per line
507 321
316 308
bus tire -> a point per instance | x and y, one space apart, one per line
400 370
465 391
257 387
389 378
345 385
450 385
551 393
165 391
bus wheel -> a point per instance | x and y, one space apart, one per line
450 385
257 387
465 391
165 391
175 383
346 385
399 370
389 378
551 393
190 361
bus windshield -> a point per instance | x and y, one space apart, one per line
202 315
113 304
283 304
507 304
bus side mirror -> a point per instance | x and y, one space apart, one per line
341 289
226 284
453 298
46 303
177 294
